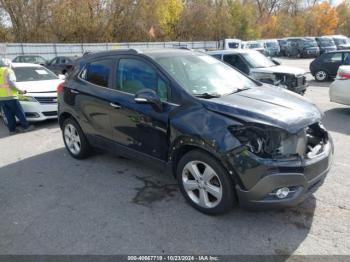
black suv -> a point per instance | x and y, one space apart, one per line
302 47
326 44
224 136
326 66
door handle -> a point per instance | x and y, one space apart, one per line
116 106
74 91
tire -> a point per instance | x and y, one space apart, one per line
321 76
75 139
205 184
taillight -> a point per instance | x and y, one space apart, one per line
60 88
343 75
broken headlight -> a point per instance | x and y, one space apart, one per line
270 142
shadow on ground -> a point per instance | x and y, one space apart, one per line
314 83
48 124
337 120
53 204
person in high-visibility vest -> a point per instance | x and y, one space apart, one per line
9 99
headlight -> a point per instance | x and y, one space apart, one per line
270 142
260 76
26 98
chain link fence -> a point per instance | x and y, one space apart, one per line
51 50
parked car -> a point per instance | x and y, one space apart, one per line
302 47
339 91
61 64
283 46
40 101
34 59
225 137
255 45
326 66
272 48
341 41
263 69
326 44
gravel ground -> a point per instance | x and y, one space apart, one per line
53 204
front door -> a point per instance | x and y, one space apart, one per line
237 62
140 126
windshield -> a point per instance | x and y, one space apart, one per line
271 44
326 42
340 41
24 74
310 43
200 74
257 60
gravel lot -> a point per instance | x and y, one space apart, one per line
53 204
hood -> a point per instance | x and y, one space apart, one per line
280 69
272 106
40 86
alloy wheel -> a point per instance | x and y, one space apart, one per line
202 184
72 139
321 75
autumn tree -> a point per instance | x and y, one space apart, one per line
343 11
321 19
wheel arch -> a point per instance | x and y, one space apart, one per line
187 144
63 116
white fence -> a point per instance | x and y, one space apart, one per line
50 50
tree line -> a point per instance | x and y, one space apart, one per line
167 20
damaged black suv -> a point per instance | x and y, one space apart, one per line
227 139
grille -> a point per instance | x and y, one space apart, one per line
46 99
50 113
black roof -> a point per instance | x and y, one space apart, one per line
147 51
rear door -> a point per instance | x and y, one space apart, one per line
91 96
331 63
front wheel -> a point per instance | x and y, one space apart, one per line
75 140
321 76
205 184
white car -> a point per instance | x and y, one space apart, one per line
339 90
40 101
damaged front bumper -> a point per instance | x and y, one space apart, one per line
261 178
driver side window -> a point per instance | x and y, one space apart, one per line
135 75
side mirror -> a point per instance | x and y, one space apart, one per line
149 96
62 77
275 62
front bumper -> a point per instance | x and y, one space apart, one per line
36 111
304 177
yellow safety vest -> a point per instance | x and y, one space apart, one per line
5 88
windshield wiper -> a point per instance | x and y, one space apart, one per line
238 90
207 95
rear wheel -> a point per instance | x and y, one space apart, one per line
321 76
75 140
205 184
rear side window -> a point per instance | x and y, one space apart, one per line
336 57
347 59
135 75
98 72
